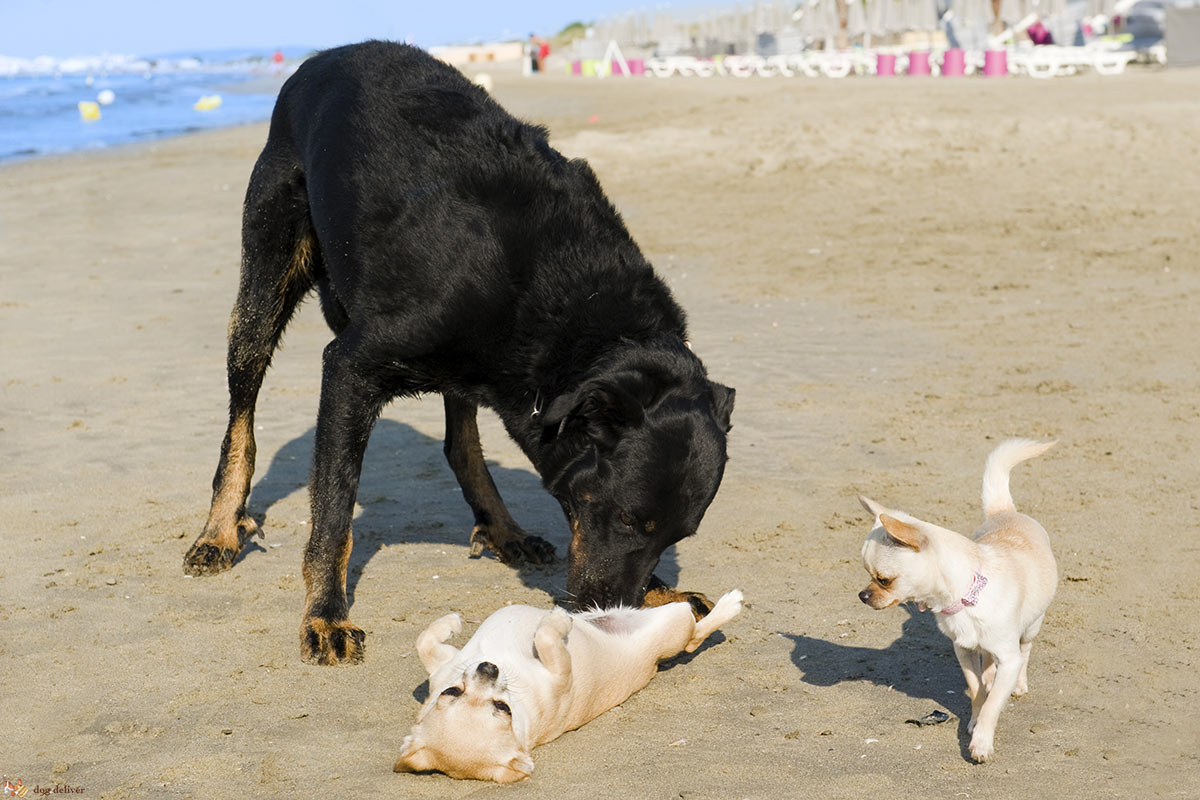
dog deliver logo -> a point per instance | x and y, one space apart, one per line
15 788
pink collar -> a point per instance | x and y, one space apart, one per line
971 598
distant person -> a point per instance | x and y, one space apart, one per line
536 50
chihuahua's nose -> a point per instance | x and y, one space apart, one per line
487 671
865 596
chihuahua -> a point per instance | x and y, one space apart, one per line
990 592
529 675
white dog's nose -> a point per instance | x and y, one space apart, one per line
487 671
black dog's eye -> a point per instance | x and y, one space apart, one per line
453 691
502 707
627 519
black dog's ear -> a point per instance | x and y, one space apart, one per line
601 404
722 400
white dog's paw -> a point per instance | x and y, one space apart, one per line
982 747
1021 689
558 621
728 607
447 626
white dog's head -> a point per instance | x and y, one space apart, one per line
898 557
466 729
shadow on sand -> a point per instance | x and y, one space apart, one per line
920 664
409 495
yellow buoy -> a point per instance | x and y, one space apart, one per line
89 111
208 102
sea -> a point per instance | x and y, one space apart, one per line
149 97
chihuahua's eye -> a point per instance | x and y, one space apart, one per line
627 519
884 582
502 707
453 691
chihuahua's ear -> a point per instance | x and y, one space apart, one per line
903 533
871 506
414 757
518 769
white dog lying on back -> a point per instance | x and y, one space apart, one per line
529 675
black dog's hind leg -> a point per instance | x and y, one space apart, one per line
279 258
352 395
494 528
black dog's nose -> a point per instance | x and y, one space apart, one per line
487 671
865 596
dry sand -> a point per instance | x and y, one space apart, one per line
894 275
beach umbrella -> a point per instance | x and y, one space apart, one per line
1013 11
1054 16
830 23
885 17
856 21
820 20
920 15
971 21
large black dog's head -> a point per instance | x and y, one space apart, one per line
646 442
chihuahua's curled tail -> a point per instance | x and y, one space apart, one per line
996 496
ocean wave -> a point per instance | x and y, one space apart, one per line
240 60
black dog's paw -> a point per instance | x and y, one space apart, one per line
511 547
205 558
530 550
213 553
330 643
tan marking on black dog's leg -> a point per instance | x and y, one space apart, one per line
495 529
326 636
352 395
659 594
278 257
228 526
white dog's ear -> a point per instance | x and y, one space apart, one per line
431 644
871 506
414 757
518 769
903 533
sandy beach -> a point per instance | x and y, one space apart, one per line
894 274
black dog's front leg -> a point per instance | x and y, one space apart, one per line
494 528
350 404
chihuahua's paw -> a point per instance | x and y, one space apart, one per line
558 621
982 748
728 607
443 628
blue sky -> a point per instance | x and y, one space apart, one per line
63 28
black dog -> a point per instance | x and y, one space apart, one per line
455 252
